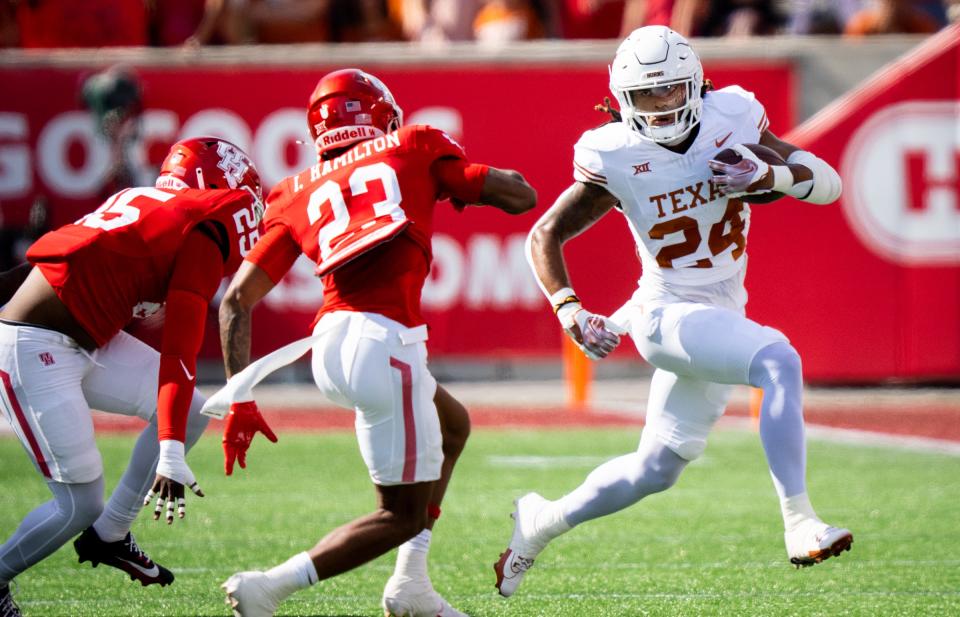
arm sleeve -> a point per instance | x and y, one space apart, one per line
459 179
195 279
275 252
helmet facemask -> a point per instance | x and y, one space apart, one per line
668 124
658 82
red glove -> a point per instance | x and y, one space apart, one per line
242 424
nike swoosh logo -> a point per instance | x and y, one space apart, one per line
720 142
185 371
152 572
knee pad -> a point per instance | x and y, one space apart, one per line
775 363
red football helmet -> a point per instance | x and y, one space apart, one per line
349 106
209 163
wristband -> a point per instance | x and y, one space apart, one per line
562 297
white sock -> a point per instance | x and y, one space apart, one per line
294 574
110 528
550 520
412 555
796 510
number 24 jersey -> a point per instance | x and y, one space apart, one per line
687 233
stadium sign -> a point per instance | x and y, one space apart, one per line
902 174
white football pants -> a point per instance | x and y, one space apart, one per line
48 384
699 351
378 367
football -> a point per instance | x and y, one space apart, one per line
765 154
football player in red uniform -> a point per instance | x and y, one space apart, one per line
364 215
62 350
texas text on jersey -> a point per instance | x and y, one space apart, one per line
686 231
122 254
365 218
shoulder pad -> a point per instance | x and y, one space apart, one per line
433 140
610 136
731 100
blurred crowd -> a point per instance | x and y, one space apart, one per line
96 23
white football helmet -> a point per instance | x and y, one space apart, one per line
654 59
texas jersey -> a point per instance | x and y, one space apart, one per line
687 233
115 263
365 218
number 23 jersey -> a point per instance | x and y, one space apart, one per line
365 218
687 233
115 263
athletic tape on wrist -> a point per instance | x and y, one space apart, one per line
782 178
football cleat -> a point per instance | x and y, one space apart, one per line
524 547
407 597
250 594
8 608
814 541
124 555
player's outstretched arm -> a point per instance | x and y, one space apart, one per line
507 190
247 288
575 211
193 282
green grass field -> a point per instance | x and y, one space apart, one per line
712 545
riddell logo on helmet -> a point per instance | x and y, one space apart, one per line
349 133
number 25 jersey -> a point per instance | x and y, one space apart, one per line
115 263
365 218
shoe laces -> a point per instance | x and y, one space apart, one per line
8 608
520 564
131 545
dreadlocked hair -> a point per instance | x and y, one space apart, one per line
607 108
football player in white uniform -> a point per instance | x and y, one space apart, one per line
687 316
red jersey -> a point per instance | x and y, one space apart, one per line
115 263
366 219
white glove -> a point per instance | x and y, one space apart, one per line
173 464
739 179
595 335
172 475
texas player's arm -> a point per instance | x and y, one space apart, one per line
196 276
805 176
272 256
472 183
575 211
811 178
